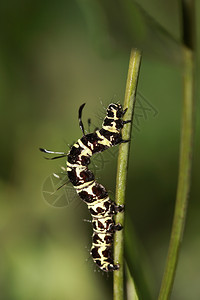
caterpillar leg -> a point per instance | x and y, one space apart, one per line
126 122
118 227
124 111
119 208
125 141
113 267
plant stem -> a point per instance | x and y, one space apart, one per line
137 262
184 177
186 149
129 102
130 286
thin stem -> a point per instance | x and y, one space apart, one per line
186 149
130 286
137 262
184 177
129 102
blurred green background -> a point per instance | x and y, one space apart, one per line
54 56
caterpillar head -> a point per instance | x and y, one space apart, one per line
113 121
115 111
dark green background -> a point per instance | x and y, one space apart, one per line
54 56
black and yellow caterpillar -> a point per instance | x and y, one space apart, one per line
89 190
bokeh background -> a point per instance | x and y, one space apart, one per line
54 56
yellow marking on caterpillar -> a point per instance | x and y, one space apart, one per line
86 151
111 129
77 166
104 141
85 186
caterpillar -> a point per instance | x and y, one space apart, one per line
94 194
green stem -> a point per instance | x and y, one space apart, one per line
129 102
184 177
186 148
130 286
137 262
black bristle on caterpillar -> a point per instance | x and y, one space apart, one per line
94 194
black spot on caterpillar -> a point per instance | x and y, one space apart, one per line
94 194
